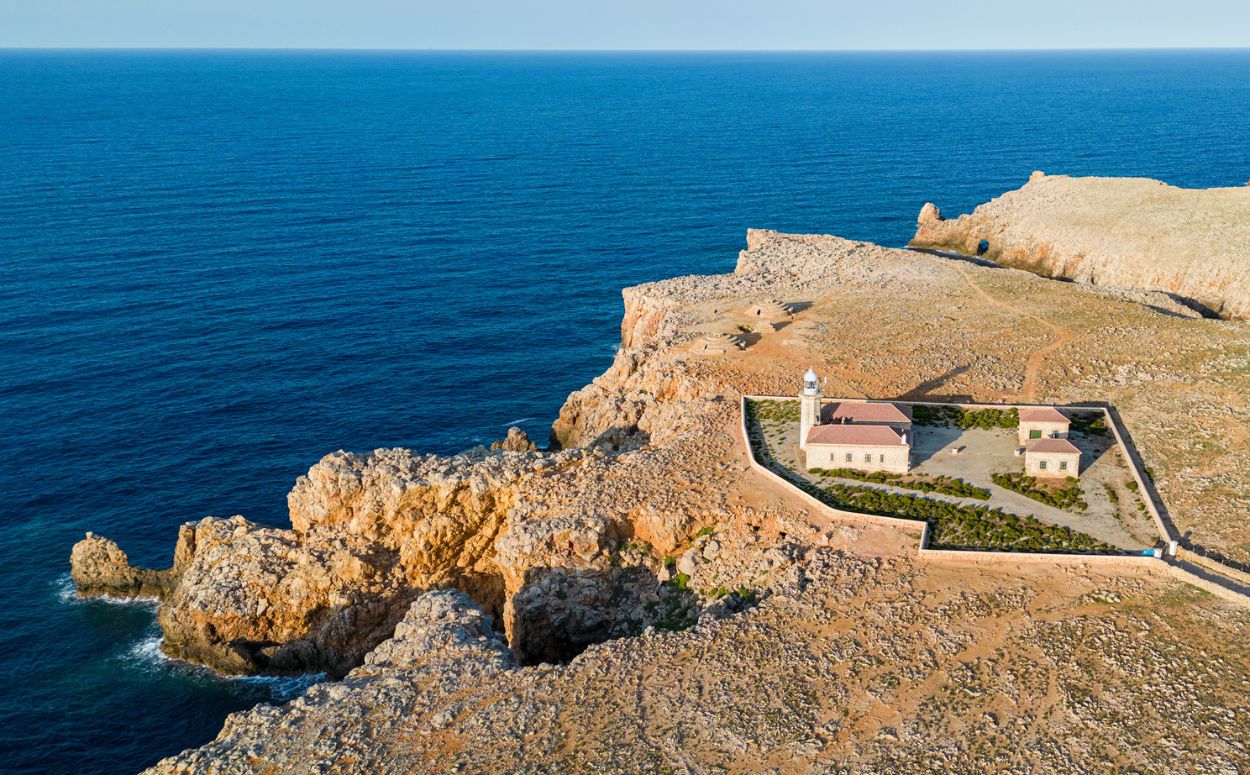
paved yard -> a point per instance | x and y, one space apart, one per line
986 452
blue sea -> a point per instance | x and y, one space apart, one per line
216 267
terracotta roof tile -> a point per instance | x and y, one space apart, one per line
1042 414
859 411
1051 445
856 435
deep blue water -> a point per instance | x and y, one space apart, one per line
217 267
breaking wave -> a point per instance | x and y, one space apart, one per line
146 655
67 593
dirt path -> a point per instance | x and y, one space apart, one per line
1028 390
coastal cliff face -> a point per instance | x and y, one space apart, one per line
1131 232
704 619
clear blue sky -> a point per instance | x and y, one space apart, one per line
637 24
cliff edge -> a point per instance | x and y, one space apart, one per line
1129 232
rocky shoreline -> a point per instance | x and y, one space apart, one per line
635 599
1125 232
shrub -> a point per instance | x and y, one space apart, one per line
1089 422
948 416
1068 498
770 409
961 527
939 484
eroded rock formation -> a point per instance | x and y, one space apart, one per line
1130 232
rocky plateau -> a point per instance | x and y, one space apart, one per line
1130 232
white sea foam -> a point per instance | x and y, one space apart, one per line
516 422
146 654
67 593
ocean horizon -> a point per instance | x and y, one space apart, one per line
222 265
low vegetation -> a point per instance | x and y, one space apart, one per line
1068 498
956 417
778 411
961 527
1090 423
944 485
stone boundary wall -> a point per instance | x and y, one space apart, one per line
1150 563
1193 558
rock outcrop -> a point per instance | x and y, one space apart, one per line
443 643
1129 232
99 567
517 440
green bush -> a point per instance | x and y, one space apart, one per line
1068 498
770 409
954 416
961 527
1092 423
939 484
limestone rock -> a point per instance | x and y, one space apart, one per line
516 441
1128 232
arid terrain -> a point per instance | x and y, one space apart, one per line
713 622
1126 232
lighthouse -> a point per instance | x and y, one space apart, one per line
809 406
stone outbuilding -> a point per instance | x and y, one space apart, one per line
1051 458
1042 422
859 447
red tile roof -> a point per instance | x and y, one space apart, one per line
1051 445
1042 414
856 435
861 411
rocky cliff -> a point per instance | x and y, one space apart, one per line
695 618
1130 232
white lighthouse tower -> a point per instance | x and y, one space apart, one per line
809 406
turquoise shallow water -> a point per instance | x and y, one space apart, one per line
216 267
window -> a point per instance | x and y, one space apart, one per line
1035 434
848 457
882 459
1063 465
867 457
1041 465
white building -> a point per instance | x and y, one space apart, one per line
863 435
1042 422
1051 458
809 406
859 447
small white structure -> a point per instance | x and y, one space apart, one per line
809 406
1051 458
859 447
769 310
1042 422
717 343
